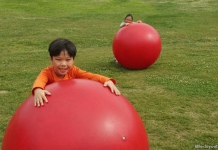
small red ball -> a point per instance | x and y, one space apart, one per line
80 115
137 46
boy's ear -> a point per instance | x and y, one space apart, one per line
51 59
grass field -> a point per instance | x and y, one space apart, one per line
176 97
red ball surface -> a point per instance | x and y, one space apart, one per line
80 115
137 46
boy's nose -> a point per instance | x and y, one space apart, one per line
63 63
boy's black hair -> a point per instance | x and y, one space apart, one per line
62 44
129 15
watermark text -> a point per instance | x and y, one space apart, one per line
206 146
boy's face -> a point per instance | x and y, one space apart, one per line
128 19
62 63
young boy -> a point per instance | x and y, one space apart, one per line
62 54
128 20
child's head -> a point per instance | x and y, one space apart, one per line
128 18
61 44
62 52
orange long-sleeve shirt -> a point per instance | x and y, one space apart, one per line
48 76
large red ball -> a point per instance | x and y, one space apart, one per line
137 46
80 115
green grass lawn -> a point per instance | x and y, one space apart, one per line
176 97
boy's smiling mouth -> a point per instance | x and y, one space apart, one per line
63 70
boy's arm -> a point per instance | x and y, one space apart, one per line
38 88
41 80
109 82
87 75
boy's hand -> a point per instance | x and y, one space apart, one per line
39 96
113 88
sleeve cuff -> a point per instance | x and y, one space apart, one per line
114 81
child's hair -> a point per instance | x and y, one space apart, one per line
129 15
62 44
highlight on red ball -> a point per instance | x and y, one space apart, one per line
137 46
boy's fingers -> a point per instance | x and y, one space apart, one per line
118 92
41 102
112 87
45 99
47 92
38 103
34 102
